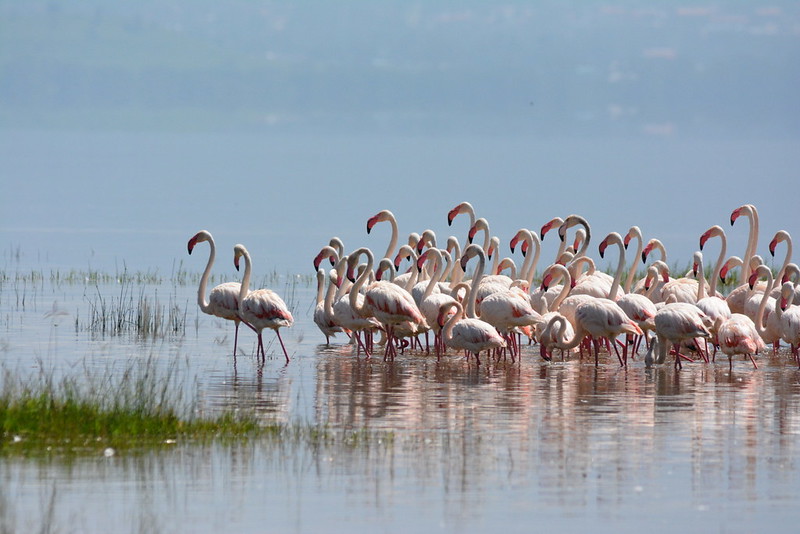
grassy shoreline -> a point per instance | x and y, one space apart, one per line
138 408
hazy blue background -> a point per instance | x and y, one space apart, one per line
127 126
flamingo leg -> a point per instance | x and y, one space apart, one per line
752 360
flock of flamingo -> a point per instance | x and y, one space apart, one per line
575 307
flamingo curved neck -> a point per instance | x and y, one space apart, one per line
760 327
476 280
202 301
632 272
566 285
361 280
244 289
620 268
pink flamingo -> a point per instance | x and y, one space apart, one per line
677 323
790 320
738 335
223 301
600 318
390 304
262 308
472 335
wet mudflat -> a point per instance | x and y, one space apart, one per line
423 445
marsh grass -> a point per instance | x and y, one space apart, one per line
144 316
141 406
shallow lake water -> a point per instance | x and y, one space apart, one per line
458 447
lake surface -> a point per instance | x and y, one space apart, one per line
511 446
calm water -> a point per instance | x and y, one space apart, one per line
520 446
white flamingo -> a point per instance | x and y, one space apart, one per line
261 308
738 296
391 305
223 301
763 309
790 320
637 307
322 318
600 318
471 335
676 323
382 216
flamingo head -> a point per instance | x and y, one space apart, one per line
695 268
472 232
723 272
372 221
514 241
579 237
549 226
603 246
237 253
735 214
524 248
453 213
200 236
751 282
548 278
773 244
646 251
627 240
421 260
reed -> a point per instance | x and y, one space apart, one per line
140 406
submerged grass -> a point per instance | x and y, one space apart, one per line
139 407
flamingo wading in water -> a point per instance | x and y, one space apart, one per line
262 308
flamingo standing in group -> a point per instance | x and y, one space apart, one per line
738 335
322 318
639 308
739 295
464 207
676 323
381 216
469 334
261 308
790 320
601 319
223 301
712 305
390 304
343 312
763 309
430 302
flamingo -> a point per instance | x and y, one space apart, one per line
390 304
790 320
548 333
343 312
737 298
472 335
738 335
763 308
381 216
322 317
677 323
431 302
261 308
602 319
529 240
571 221
464 207
639 308
223 301
633 233
713 306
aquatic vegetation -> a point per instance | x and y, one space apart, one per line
135 408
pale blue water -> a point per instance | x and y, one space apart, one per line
113 200
562 446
